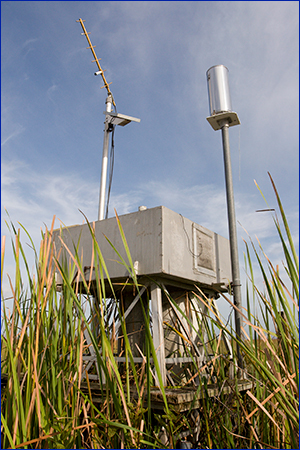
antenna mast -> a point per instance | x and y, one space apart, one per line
111 119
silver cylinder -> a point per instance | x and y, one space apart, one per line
218 90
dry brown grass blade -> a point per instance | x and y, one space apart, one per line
36 389
15 428
151 371
267 343
30 409
262 444
43 258
250 424
81 353
142 378
71 382
80 367
88 384
51 435
263 409
202 369
48 401
271 365
122 440
207 304
216 351
271 395
13 313
260 331
85 415
124 405
16 303
245 333
142 388
23 331
80 272
49 261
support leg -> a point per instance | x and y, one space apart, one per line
158 332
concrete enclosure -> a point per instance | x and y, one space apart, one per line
161 242
172 256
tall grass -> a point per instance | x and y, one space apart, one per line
47 340
272 345
49 400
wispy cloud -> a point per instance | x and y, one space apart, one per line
33 197
51 91
28 42
37 196
19 129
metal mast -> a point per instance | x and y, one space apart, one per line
109 102
222 117
111 119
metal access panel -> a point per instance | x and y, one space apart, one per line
161 242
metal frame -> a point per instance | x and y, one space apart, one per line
156 291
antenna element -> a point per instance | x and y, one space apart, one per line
96 60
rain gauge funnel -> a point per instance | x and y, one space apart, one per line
219 98
218 88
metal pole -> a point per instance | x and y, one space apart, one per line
232 237
104 161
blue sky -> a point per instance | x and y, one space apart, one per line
156 55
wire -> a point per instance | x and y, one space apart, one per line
188 239
111 167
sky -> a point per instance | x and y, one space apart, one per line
156 55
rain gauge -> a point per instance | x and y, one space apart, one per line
222 117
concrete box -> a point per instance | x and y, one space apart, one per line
161 242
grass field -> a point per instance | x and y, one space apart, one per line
47 403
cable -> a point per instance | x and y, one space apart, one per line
189 243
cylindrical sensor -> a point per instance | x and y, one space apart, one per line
218 90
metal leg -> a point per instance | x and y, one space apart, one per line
158 331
